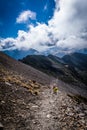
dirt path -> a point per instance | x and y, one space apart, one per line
19 110
58 112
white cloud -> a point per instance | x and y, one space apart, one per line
8 43
66 29
36 37
25 16
33 38
69 23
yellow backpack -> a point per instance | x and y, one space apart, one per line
55 89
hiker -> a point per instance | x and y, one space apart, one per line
55 89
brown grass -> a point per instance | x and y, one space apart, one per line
10 77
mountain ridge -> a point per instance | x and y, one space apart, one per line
18 54
21 53
78 60
71 69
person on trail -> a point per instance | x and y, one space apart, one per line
55 89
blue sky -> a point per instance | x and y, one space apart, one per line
43 25
10 9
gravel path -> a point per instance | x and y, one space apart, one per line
58 112
21 110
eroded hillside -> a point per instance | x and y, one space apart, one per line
26 104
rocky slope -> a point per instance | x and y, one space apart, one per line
28 102
28 105
19 68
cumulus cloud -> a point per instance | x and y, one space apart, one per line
8 43
66 29
70 19
36 37
25 16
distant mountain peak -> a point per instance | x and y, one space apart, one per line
69 68
19 54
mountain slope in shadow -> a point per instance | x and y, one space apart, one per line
77 60
71 68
